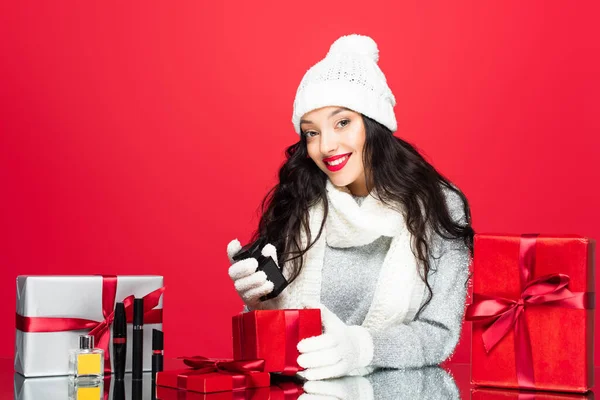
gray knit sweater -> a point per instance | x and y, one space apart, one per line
349 279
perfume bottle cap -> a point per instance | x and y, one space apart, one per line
86 342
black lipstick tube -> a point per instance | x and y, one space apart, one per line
157 352
138 339
120 341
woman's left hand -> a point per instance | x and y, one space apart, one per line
338 351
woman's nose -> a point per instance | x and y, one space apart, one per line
329 143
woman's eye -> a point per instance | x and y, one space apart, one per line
345 122
310 133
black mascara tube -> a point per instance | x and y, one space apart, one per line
138 339
119 390
120 341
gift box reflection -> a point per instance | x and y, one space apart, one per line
287 390
508 394
60 387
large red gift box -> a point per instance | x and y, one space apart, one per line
510 394
198 381
273 336
532 312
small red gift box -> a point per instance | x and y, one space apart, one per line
167 393
499 394
272 335
197 380
532 312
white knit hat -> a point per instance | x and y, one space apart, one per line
347 77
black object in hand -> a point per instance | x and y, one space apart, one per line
265 264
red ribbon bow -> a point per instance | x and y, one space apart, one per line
205 365
504 314
240 371
98 329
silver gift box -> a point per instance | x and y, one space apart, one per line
47 353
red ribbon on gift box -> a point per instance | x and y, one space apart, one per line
98 329
506 314
206 365
240 372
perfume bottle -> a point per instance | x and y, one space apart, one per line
86 362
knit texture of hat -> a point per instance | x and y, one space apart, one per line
348 77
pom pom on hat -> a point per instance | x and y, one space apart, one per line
358 44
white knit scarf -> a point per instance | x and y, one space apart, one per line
399 289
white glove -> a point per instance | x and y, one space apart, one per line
338 351
250 285
346 388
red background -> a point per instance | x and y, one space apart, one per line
140 139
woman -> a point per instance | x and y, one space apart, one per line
363 227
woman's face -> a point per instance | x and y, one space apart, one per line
335 138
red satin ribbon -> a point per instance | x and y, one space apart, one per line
290 390
98 329
504 314
292 337
526 396
106 388
201 364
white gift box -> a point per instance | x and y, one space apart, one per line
47 353
61 387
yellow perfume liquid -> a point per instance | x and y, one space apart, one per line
86 362
86 389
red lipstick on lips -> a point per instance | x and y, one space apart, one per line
334 168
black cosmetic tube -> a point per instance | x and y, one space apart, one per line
138 339
136 389
157 352
120 341
119 390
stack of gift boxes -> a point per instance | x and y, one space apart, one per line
264 342
533 317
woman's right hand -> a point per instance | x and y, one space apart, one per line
250 284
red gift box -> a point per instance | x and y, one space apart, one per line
498 394
272 335
532 312
167 393
198 380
